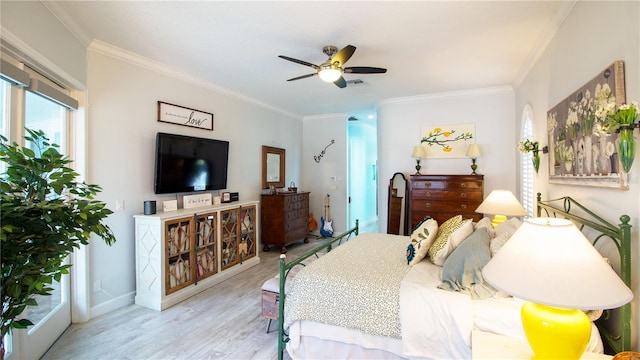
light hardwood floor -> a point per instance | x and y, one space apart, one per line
223 322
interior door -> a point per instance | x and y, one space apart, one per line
51 317
53 314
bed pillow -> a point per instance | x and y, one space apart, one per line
486 223
450 234
462 271
421 239
503 233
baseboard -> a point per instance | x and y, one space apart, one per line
113 304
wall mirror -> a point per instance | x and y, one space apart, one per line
273 163
398 206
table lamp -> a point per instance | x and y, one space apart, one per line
500 204
551 265
474 152
418 153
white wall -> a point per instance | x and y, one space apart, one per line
318 131
49 45
399 129
592 36
122 128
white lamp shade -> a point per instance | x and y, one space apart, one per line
473 151
549 261
501 202
419 152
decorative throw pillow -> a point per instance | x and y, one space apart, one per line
486 223
462 271
498 242
503 233
450 232
421 239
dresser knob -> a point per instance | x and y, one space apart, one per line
463 206
464 185
427 205
427 184
427 194
464 195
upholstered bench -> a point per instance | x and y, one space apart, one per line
271 299
271 294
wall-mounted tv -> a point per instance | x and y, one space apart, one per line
186 164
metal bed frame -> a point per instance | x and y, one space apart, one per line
620 235
285 268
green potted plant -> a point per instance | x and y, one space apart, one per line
45 213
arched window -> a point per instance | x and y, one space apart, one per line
527 197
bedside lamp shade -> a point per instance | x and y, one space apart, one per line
474 152
501 203
418 153
550 263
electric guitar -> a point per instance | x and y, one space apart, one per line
326 229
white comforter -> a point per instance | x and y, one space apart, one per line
434 323
443 328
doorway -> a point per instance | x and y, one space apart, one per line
362 186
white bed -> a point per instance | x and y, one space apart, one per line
363 300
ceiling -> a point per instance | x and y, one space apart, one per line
428 47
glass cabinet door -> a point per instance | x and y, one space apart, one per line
179 254
206 245
247 246
230 229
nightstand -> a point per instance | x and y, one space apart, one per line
485 345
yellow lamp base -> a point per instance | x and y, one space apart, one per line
498 219
555 333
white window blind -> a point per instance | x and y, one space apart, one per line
527 197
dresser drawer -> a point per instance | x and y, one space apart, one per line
440 205
463 195
429 185
469 185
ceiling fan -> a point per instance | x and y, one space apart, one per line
332 69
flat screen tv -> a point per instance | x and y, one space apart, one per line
187 164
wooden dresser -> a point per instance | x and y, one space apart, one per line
284 219
444 196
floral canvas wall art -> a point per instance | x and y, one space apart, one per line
580 151
447 141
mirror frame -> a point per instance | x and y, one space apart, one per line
405 214
278 151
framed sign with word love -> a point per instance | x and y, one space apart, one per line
181 115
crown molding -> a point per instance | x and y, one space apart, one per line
129 57
543 41
450 94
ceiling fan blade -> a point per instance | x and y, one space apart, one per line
341 83
343 55
303 77
301 62
364 70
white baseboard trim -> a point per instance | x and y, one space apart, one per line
113 304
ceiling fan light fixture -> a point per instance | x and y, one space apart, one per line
330 73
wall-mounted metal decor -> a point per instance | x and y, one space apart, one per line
181 115
447 141
318 157
580 153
